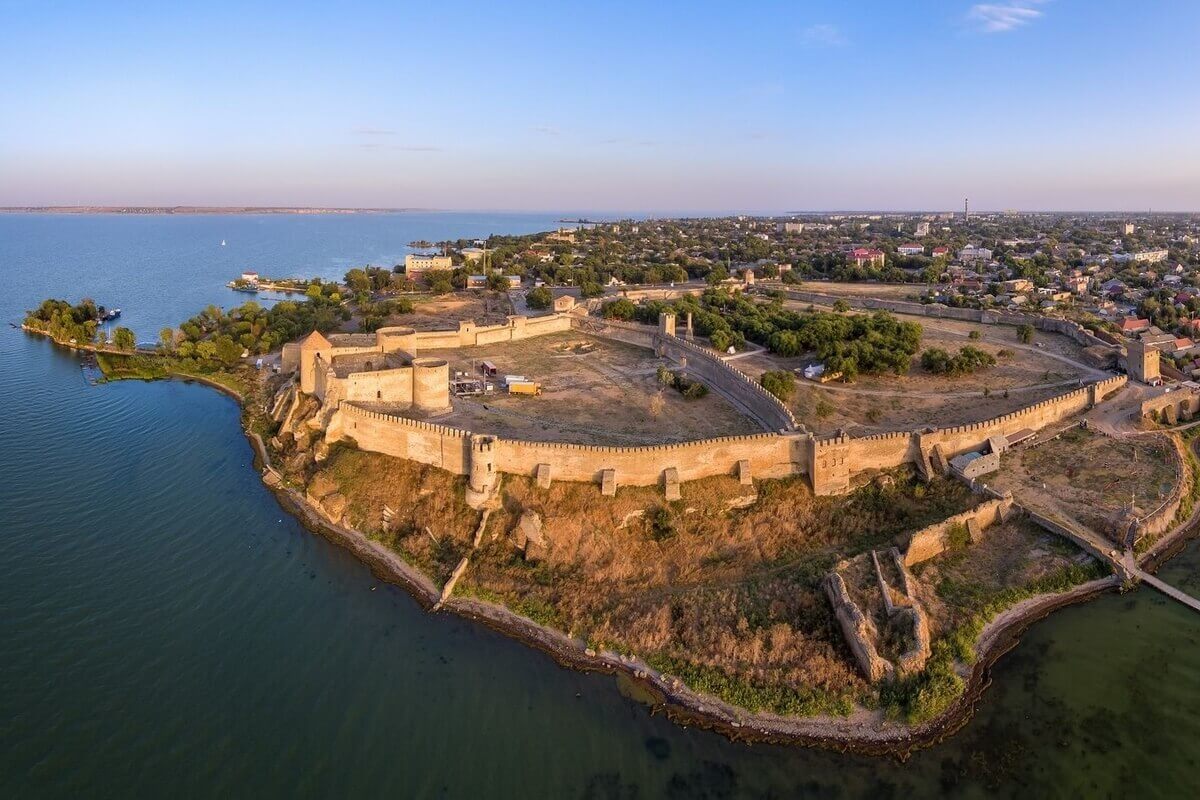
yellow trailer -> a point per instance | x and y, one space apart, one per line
525 387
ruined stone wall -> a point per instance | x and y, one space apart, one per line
1171 407
1163 517
1066 327
934 540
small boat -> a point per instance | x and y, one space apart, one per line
222 243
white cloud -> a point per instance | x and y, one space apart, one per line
367 131
823 35
548 130
1003 17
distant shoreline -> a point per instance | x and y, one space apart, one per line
199 210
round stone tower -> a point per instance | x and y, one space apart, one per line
397 340
431 385
483 463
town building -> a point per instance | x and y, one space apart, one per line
415 264
974 253
866 256
922 230
1150 256
910 250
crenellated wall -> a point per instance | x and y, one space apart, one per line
830 462
769 455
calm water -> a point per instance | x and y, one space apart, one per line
166 629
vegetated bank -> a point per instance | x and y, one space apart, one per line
724 625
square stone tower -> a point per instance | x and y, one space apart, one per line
1142 362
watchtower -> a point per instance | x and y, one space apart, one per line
1142 363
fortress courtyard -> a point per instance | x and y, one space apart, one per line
1024 374
594 391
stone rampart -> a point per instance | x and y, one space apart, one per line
742 390
769 455
423 442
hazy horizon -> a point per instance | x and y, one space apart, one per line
1030 105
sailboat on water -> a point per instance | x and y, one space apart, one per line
222 243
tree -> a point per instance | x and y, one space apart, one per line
779 382
1025 333
841 306
590 289
497 282
974 336
539 298
716 275
166 339
123 339
358 280
227 350
206 350
619 309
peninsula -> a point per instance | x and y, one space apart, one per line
785 507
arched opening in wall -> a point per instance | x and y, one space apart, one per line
379 394
370 366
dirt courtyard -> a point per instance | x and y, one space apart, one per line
594 391
1024 374
1088 477
446 311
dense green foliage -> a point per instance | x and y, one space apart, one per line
965 362
214 333
539 298
691 389
1025 333
850 344
64 322
779 382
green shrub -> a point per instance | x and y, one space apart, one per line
779 382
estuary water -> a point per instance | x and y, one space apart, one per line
166 629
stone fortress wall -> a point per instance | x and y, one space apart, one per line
784 450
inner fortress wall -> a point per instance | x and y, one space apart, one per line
390 385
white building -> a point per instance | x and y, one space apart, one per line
974 253
922 229
1150 256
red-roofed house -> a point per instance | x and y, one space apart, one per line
1132 325
866 255
941 252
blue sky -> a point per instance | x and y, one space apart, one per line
663 107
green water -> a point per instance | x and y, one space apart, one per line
167 630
